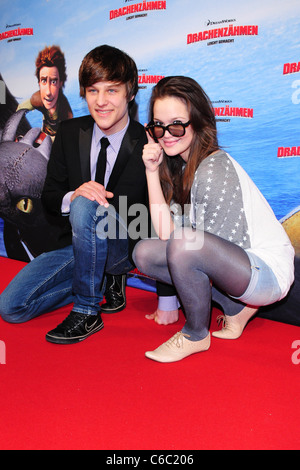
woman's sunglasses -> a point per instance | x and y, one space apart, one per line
157 131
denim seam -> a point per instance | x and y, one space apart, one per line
119 262
94 254
44 282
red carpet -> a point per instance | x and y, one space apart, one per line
104 394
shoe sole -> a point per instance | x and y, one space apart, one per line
112 310
219 335
168 356
169 360
78 339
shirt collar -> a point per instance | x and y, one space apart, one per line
115 140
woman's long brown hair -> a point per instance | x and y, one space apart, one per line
176 180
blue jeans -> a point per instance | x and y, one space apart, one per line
74 274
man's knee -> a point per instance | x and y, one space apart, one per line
82 211
9 312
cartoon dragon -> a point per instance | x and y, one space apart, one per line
28 230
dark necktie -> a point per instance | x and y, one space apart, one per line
101 162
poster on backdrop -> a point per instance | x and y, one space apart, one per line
244 54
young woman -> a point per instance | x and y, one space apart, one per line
217 235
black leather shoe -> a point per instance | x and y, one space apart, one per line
75 328
114 294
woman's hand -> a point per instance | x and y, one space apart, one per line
152 155
162 317
160 211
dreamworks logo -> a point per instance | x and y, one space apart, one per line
2 92
2 353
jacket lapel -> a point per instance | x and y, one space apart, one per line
127 149
85 141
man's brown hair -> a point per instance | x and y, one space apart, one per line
107 63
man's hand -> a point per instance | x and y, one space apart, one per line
94 192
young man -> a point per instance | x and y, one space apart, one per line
87 179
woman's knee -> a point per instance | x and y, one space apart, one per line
184 241
175 249
141 255
137 254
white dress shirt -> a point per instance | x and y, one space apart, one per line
115 141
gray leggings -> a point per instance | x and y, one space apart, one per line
193 261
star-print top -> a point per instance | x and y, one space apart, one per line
217 201
226 202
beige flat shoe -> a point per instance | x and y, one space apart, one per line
178 347
233 326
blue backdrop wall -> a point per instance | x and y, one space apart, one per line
244 54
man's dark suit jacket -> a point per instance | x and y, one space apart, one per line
69 168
